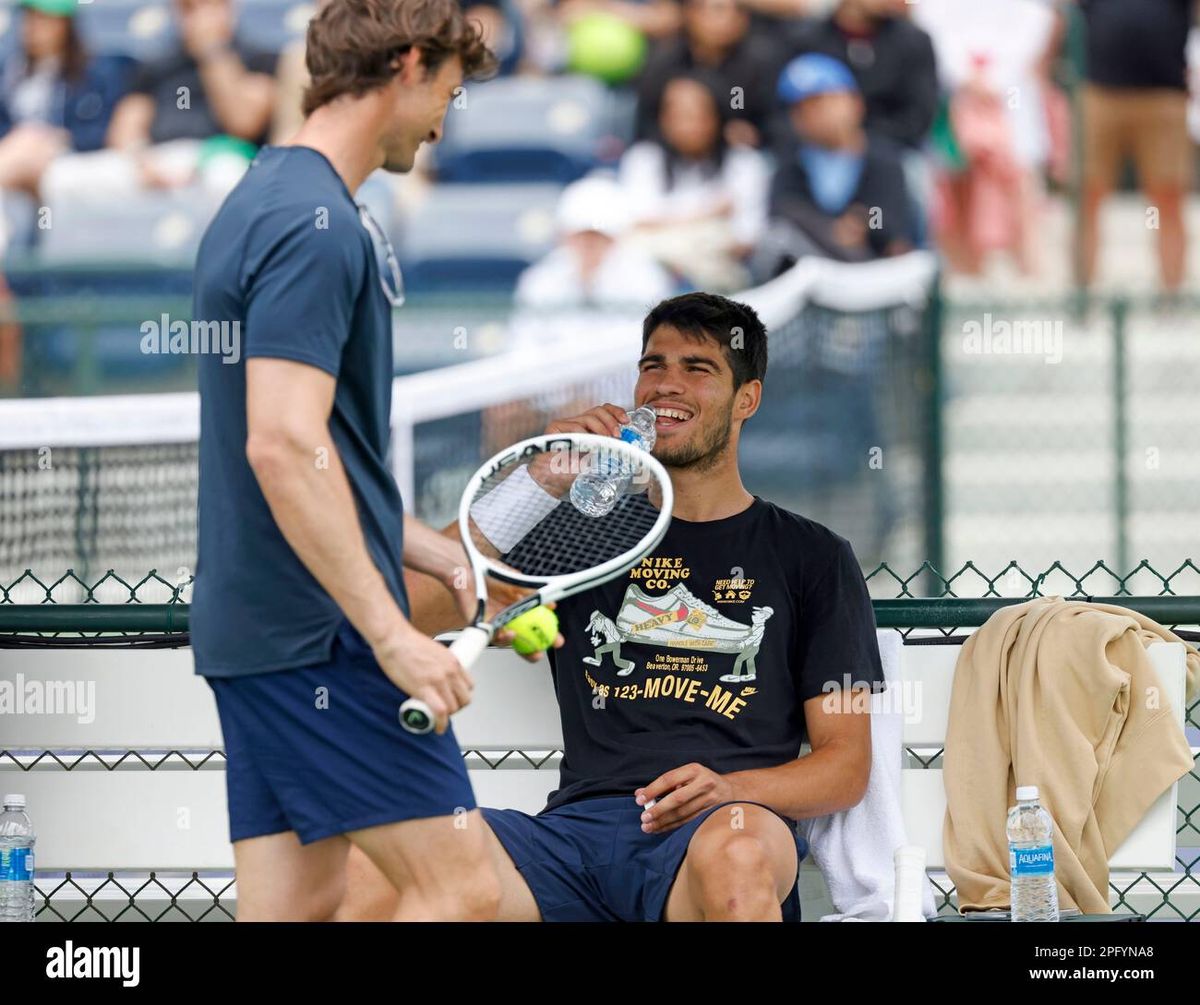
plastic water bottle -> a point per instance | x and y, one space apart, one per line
1031 858
596 492
16 861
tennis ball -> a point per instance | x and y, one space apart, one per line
604 46
534 630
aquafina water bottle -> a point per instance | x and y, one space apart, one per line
1031 858
16 861
596 491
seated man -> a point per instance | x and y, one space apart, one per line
687 685
194 115
839 192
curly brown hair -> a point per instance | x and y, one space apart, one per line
353 43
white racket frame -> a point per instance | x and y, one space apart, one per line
415 715
476 636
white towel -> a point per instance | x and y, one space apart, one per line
854 849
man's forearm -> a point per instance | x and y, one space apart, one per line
432 608
431 602
439 554
826 781
315 511
241 100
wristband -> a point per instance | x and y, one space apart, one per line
512 509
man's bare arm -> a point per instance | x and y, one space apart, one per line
293 456
129 128
433 607
830 779
288 446
242 101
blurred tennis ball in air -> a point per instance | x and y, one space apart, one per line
604 46
533 631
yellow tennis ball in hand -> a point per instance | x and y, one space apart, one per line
534 630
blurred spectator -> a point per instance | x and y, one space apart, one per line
54 97
841 193
717 38
194 115
698 204
593 266
892 61
1001 124
1135 106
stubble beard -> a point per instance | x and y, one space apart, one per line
703 455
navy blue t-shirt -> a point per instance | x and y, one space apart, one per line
288 264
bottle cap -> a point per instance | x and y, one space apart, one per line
1026 792
15 799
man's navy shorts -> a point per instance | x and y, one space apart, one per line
319 750
591 861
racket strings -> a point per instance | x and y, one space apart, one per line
568 541
542 535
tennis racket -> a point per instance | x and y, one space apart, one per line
519 525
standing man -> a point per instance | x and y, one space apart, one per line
1135 107
300 616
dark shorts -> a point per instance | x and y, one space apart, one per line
591 861
319 750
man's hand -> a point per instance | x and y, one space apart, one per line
681 794
426 670
206 25
850 229
603 420
500 596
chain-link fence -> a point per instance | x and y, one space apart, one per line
919 603
1067 430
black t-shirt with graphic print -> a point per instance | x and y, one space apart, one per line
707 651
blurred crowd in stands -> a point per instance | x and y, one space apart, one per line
758 132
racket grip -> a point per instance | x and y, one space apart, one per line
416 716
470 644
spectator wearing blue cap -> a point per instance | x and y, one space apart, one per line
892 61
838 192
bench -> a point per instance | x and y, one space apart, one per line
135 783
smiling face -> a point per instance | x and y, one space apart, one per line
689 383
418 100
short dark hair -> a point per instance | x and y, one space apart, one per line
706 315
352 43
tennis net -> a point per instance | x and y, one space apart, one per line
99 484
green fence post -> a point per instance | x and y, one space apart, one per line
932 392
1120 315
1076 70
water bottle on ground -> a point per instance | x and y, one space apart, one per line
595 492
1031 858
16 861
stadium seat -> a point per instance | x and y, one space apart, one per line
476 237
20 221
142 29
156 226
271 25
520 129
100 253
